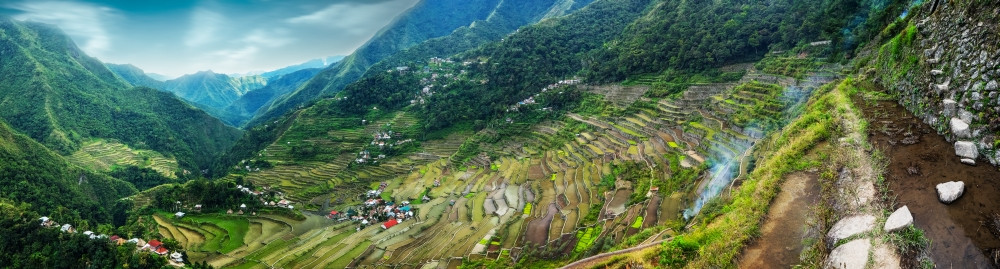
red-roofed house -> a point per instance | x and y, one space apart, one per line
154 244
161 251
389 224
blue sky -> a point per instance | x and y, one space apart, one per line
175 37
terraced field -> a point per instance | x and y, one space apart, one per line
103 155
541 188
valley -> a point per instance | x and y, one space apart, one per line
514 134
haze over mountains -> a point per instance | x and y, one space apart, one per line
221 95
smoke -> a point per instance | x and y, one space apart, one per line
727 167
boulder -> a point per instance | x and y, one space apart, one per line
960 128
965 115
991 86
898 220
941 88
950 107
950 191
852 255
966 149
969 162
936 72
851 226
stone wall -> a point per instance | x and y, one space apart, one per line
954 86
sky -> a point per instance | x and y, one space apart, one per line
176 37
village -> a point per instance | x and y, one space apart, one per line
376 210
175 258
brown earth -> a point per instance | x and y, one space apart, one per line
781 239
919 160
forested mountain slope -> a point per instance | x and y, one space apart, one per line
426 20
135 76
59 96
210 89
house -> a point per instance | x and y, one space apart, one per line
153 244
46 222
67 228
139 243
177 257
179 215
389 224
197 207
230 212
243 206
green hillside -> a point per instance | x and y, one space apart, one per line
427 20
57 95
32 174
212 90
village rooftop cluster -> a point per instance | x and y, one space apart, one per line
154 246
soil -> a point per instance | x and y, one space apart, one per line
919 160
538 229
781 239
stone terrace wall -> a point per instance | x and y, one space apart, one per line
954 87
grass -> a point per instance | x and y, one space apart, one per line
235 229
346 259
718 242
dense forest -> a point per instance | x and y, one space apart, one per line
699 35
59 96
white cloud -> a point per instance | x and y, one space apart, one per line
268 38
204 26
353 17
84 22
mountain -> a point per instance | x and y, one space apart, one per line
314 63
158 76
425 20
248 105
57 95
30 172
134 76
213 90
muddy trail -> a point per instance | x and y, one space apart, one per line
787 224
919 159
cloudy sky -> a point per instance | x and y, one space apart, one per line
175 37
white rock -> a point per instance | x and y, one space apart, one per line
969 161
965 115
966 149
960 128
950 191
852 255
851 226
950 107
936 72
941 87
899 219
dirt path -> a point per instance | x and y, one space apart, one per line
781 237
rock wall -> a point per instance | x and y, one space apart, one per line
954 84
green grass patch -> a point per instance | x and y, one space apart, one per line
637 223
235 229
527 208
347 258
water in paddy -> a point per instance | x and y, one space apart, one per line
919 159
